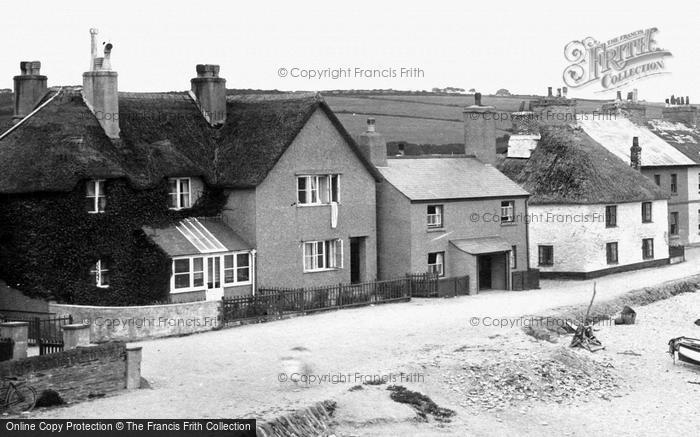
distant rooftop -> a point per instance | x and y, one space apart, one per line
448 177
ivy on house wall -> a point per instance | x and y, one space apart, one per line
49 242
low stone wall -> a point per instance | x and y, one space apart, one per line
76 374
143 322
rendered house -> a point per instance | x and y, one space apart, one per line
129 198
452 215
670 156
591 214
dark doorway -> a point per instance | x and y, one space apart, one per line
357 259
484 272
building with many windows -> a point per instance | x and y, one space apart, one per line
590 213
113 198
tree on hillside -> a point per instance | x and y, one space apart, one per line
503 92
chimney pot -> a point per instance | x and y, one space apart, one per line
549 91
558 92
477 99
370 124
630 96
619 96
687 100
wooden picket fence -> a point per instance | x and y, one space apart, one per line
279 301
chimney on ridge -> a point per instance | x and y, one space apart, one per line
209 91
30 87
100 89
480 131
373 145
635 154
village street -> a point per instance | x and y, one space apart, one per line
234 372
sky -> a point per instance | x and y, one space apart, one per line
271 44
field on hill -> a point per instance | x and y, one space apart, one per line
430 119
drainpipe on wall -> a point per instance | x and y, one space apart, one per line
254 263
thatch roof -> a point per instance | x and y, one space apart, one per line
162 134
569 167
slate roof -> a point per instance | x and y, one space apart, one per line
162 134
448 177
616 136
569 167
682 137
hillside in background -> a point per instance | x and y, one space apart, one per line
430 119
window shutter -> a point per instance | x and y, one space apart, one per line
339 253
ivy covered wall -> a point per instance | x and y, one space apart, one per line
49 242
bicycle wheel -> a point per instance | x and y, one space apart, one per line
21 398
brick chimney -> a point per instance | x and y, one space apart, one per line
553 110
480 131
680 111
630 108
209 91
635 154
373 145
30 87
100 89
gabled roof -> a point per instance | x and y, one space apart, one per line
616 136
569 167
162 134
447 177
684 138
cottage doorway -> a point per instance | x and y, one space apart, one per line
215 291
357 260
484 272
493 271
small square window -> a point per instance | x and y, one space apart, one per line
507 211
611 253
179 195
545 255
646 212
611 216
100 273
436 263
648 248
434 216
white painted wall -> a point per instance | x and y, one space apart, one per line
579 235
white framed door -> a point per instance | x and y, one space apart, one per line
215 286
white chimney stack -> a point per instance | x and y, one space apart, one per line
100 89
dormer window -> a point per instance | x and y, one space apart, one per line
100 273
180 194
95 200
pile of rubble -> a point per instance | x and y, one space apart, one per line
561 376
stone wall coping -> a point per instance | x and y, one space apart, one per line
133 348
75 326
122 308
13 324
